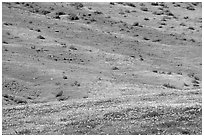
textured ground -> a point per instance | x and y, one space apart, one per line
102 68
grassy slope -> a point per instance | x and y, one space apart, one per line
130 100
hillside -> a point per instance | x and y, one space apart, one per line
102 68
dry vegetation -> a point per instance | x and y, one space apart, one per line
102 68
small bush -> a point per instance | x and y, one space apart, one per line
156 40
186 17
76 83
121 12
169 86
44 12
158 12
64 77
142 4
182 24
162 23
112 3
155 4
145 38
144 8
127 11
130 4
73 17
98 12
40 37
72 47
60 13
146 18
115 68
169 13
135 24
155 71
77 5
190 8
191 28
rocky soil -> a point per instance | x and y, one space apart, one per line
102 68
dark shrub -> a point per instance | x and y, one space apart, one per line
155 4
135 24
73 17
115 68
169 86
40 37
191 28
60 13
130 4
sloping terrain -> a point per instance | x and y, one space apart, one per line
102 68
